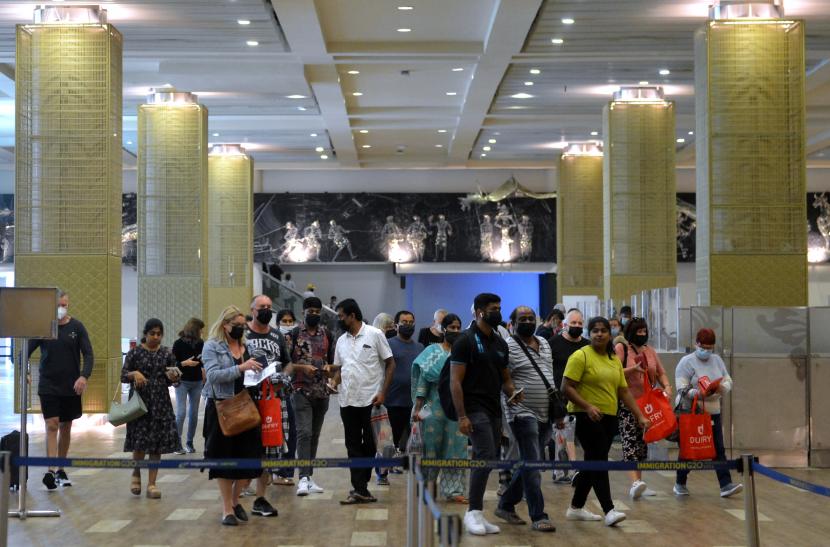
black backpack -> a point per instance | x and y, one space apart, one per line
11 443
444 390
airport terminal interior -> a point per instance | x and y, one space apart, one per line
351 173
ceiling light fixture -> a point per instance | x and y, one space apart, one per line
295 96
319 149
568 21
643 82
535 71
484 155
594 133
216 134
366 146
301 108
439 146
129 142
405 8
522 96
492 141
681 140
252 43
486 148
665 72
364 131
442 130
357 94
557 41
354 72
313 135
528 83
324 157
691 132
404 30
458 69
451 93
243 21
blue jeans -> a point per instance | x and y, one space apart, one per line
531 436
724 477
193 392
485 439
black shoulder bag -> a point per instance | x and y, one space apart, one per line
556 402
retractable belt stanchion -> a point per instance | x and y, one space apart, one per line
753 534
5 484
411 501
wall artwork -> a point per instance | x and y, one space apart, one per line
6 228
402 228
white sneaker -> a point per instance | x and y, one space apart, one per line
637 489
489 527
474 523
581 514
303 487
313 487
649 493
613 517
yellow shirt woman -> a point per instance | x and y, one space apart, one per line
598 378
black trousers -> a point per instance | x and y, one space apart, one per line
596 439
360 442
399 420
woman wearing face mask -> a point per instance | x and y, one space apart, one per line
386 323
594 383
286 321
639 361
703 374
226 359
616 331
151 368
441 437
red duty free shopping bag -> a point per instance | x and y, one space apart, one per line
656 407
270 410
696 439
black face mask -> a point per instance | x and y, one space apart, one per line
525 329
341 324
264 315
312 320
493 318
391 333
236 332
574 332
451 337
639 339
406 331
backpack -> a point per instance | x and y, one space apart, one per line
11 443
444 390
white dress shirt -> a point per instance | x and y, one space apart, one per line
362 358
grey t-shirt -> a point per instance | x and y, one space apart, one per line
535 401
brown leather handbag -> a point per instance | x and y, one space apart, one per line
237 414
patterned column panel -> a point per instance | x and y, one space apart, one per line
172 208
68 181
751 237
639 196
230 231
579 235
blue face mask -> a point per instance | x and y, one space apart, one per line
624 320
615 332
703 354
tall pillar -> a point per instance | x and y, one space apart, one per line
579 222
172 206
751 202
68 175
230 229
639 193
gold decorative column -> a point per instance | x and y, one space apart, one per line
68 176
639 193
579 232
230 229
751 206
172 207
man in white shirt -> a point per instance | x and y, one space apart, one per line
364 359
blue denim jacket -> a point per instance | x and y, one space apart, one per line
220 369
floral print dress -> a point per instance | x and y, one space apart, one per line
155 432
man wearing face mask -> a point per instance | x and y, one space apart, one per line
312 347
262 339
61 384
399 397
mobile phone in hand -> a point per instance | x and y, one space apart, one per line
515 394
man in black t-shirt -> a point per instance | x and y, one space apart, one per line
478 376
60 385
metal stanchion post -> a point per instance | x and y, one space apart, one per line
454 525
444 531
750 502
411 501
426 523
6 462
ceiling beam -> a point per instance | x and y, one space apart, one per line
509 26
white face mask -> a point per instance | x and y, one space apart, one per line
285 329
62 311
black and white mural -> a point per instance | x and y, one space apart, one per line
6 228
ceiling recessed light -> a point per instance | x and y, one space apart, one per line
216 134
252 43
366 146
313 135
357 94
364 131
405 8
319 149
243 21
301 108
522 96
681 140
484 155
439 146
535 71
458 69
485 148
492 141
557 41
442 130
324 157
691 132
404 30
451 93
353 72
295 96
594 133
528 83
129 142
644 82
568 21
665 72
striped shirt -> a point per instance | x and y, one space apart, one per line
536 399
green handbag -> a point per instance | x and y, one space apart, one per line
133 409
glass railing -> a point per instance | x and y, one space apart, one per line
284 297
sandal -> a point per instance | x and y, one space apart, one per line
135 485
355 498
543 525
152 492
459 498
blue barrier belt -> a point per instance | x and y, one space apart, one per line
792 481
706 465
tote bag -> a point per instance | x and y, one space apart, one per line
382 430
237 414
696 439
656 407
133 409
270 411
